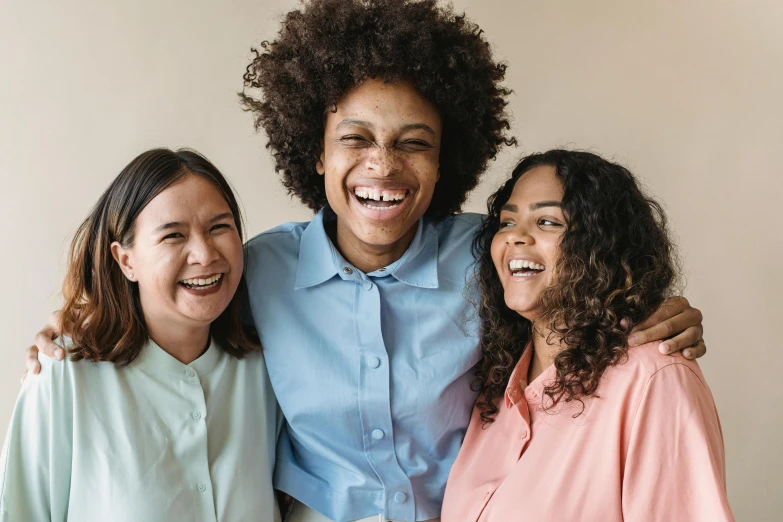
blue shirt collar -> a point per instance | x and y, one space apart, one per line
319 260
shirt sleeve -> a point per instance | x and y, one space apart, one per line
676 466
35 464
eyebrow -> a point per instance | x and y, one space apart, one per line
348 122
544 204
177 224
533 206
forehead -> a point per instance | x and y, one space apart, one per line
540 183
378 102
192 197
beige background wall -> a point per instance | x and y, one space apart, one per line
687 93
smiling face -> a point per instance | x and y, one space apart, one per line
186 256
380 162
527 245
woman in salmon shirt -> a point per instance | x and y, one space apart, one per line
571 424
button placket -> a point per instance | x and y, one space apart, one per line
375 407
195 439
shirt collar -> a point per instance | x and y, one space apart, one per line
518 380
155 360
319 260
519 388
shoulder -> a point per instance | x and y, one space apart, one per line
291 231
456 233
650 380
61 376
647 360
460 224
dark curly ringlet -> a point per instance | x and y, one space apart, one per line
616 261
329 46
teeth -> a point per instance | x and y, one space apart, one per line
380 195
202 282
519 264
380 208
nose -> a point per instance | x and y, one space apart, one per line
202 251
383 161
519 235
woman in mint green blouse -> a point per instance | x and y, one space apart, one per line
164 410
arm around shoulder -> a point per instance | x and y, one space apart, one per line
35 464
676 465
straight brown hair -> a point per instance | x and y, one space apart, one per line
102 312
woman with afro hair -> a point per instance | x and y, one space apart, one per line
381 115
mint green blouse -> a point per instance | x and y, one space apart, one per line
157 440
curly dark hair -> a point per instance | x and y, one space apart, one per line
329 46
616 261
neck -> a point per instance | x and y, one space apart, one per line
543 353
185 344
368 258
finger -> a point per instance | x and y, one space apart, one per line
695 351
46 345
669 308
682 341
667 328
33 366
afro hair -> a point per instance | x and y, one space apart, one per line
329 46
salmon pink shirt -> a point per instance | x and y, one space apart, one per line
648 448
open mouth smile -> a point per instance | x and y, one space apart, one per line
201 284
380 199
525 268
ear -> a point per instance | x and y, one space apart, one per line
319 165
123 258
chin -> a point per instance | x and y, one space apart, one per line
525 309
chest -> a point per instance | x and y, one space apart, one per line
345 336
156 450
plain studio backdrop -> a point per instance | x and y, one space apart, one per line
686 93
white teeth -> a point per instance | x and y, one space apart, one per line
519 264
380 208
202 282
379 195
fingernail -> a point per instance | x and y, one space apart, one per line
59 353
632 339
663 348
687 354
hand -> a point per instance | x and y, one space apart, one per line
44 342
677 324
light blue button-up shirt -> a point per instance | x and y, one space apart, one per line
372 371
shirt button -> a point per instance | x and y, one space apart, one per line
400 497
348 270
381 270
202 487
190 373
196 415
377 434
373 362
524 434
